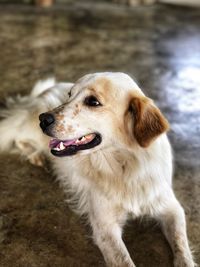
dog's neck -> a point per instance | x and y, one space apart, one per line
108 168
113 162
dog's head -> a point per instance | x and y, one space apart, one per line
103 109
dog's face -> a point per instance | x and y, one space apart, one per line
103 109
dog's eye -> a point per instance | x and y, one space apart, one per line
92 101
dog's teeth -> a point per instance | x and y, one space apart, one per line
81 139
84 138
61 146
56 148
89 136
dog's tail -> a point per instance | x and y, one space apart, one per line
42 86
13 123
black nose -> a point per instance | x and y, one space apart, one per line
46 119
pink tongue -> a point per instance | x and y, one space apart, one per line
55 142
69 142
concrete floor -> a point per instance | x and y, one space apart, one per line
160 46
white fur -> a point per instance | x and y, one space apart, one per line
43 85
113 180
21 117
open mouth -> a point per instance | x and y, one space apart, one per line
62 148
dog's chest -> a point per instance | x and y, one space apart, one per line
132 189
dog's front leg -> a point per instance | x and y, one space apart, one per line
174 227
108 239
107 231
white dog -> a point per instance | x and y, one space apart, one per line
110 151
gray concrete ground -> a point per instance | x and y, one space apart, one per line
160 47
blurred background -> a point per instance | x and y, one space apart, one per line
156 43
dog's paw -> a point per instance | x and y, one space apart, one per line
28 150
37 158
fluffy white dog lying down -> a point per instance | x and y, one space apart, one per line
110 150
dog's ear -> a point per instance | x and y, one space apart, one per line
147 120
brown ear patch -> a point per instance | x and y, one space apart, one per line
148 120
